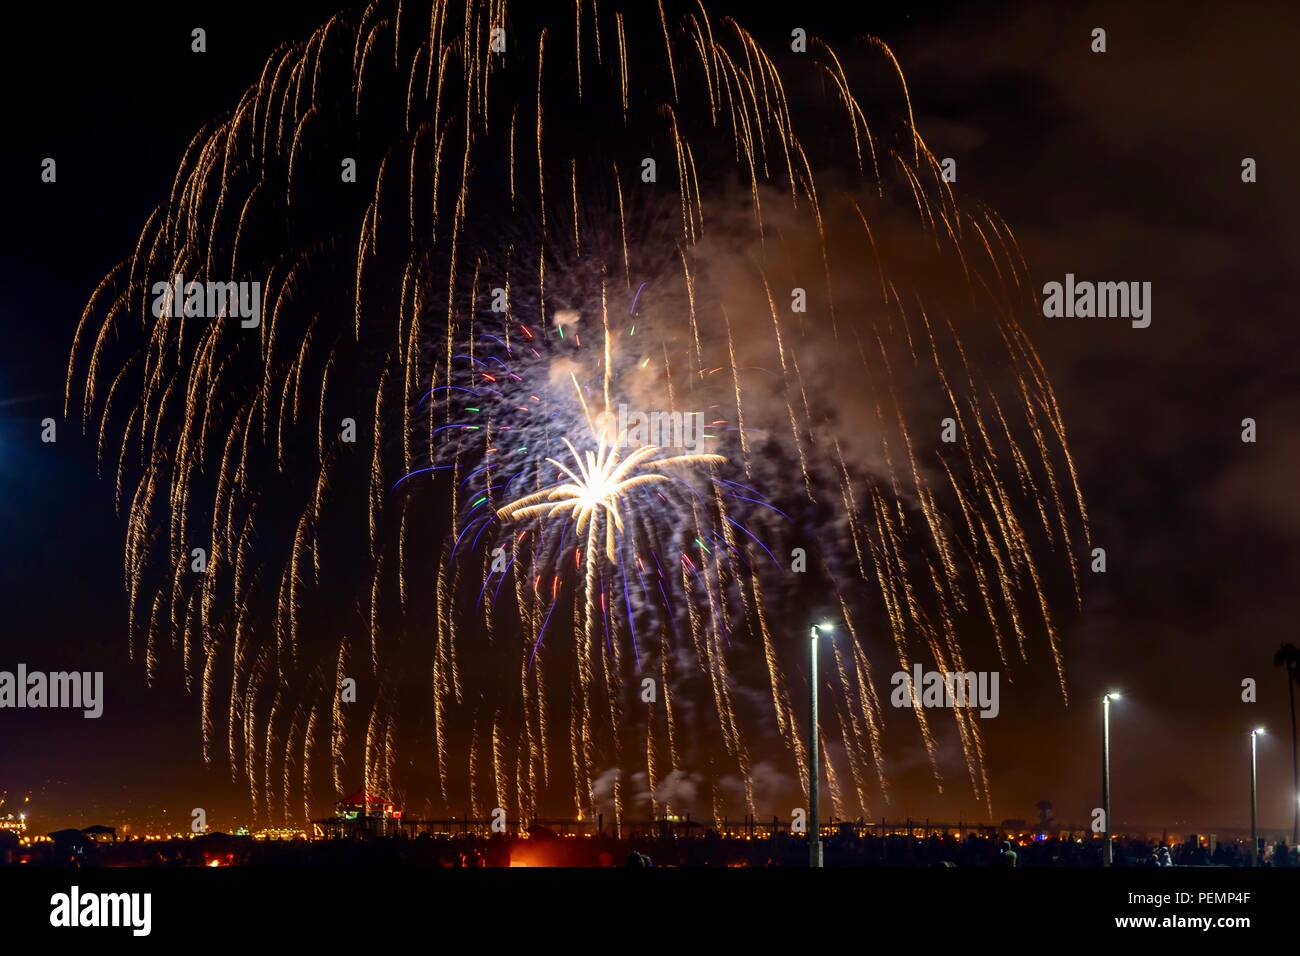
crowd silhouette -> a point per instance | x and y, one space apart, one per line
848 848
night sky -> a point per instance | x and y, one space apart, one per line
1123 166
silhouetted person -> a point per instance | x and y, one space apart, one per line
1008 857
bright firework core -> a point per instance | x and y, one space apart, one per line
601 483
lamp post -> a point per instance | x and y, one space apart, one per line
814 828
1106 849
1254 827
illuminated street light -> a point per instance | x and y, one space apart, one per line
814 829
1254 827
1106 850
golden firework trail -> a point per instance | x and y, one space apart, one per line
402 352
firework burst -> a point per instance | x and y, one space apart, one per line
603 484
552 211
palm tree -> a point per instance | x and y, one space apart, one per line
1288 656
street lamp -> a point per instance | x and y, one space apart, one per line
1106 850
1254 827
814 831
